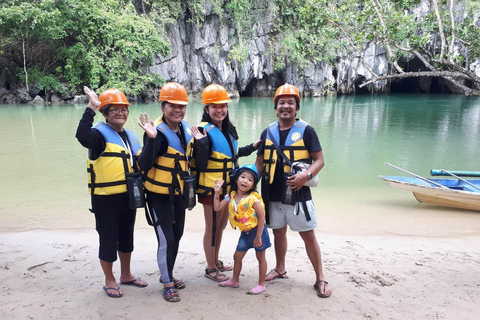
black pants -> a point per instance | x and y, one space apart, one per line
169 230
115 222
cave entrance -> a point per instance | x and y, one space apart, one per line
249 89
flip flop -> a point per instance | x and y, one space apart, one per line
216 276
317 288
137 283
111 294
278 275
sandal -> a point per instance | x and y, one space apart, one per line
276 275
221 266
177 283
170 294
218 277
317 288
113 292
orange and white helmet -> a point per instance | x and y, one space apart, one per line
112 96
174 93
286 90
215 94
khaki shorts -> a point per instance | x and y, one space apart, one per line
293 216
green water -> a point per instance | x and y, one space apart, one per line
43 175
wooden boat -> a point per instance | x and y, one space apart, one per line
455 192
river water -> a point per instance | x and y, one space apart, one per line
43 167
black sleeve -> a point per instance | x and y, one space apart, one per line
246 151
88 137
152 148
311 140
201 152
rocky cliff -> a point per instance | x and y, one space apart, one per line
200 56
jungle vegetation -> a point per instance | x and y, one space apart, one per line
61 45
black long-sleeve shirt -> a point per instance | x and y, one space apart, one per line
90 137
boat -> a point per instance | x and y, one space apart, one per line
453 192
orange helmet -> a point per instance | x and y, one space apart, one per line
286 90
112 96
174 93
215 94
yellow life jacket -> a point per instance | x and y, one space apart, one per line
170 168
106 174
294 148
220 162
243 215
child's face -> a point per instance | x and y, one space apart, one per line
245 181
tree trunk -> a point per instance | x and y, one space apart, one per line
25 65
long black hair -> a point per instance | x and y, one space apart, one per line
226 124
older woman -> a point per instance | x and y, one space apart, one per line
112 153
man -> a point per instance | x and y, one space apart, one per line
286 141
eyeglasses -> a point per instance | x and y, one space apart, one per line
117 111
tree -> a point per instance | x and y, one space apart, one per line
21 21
97 43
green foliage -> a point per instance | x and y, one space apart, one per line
42 81
97 43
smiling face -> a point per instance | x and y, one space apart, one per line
286 108
245 181
116 116
217 113
173 113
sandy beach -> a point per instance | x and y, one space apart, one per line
424 265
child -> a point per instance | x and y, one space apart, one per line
247 212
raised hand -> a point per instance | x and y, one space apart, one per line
197 134
218 185
147 125
93 102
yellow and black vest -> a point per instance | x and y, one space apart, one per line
106 175
294 148
220 161
170 168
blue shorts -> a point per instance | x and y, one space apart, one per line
245 241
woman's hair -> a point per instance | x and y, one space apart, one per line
226 124
105 111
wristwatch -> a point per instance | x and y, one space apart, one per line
309 175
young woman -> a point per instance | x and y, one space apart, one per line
215 157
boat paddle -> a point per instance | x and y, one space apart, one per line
416 175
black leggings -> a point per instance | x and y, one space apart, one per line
115 222
168 234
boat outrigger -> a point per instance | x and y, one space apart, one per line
455 192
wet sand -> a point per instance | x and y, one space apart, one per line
385 256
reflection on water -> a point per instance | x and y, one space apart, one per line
43 181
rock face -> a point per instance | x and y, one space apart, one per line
200 56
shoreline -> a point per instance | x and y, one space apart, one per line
56 274
389 258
